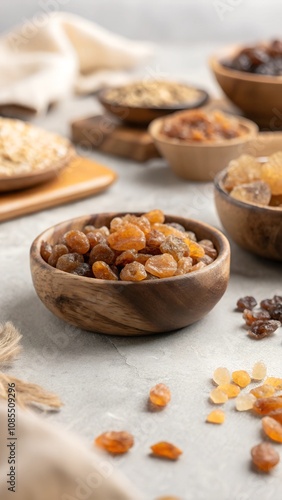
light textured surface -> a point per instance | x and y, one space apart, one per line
104 381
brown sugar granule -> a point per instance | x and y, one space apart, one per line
167 450
160 395
272 428
247 302
260 329
264 456
263 406
116 443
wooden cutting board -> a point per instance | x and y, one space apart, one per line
111 136
81 178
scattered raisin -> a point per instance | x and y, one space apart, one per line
260 329
263 406
216 417
252 316
116 443
166 450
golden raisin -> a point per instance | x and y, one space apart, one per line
102 271
154 239
69 262
126 257
77 241
175 247
196 251
166 450
102 252
57 251
263 406
142 222
272 429
184 266
116 443
264 456
160 395
128 237
241 378
133 272
263 391
162 266
216 417
45 250
96 238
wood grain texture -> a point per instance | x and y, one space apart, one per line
27 180
82 178
258 96
128 308
255 228
201 161
109 135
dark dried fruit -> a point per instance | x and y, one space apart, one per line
57 251
103 252
45 250
251 316
69 262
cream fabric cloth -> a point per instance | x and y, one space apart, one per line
50 56
53 465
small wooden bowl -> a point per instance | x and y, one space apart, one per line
255 228
258 96
199 161
142 116
30 179
128 308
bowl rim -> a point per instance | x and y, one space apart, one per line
155 125
229 50
218 186
224 252
203 99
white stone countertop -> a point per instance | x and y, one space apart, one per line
104 381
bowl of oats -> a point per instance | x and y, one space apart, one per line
30 155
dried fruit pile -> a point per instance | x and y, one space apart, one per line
262 59
199 126
264 400
263 321
259 183
132 249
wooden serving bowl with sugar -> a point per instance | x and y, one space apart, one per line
255 228
130 308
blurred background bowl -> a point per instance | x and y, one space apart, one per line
257 229
130 308
258 96
201 161
143 115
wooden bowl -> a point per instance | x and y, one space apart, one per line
258 96
128 308
142 116
199 161
255 228
30 179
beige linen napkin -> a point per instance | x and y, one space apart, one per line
51 464
43 62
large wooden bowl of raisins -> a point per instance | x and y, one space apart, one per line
103 287
252 79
